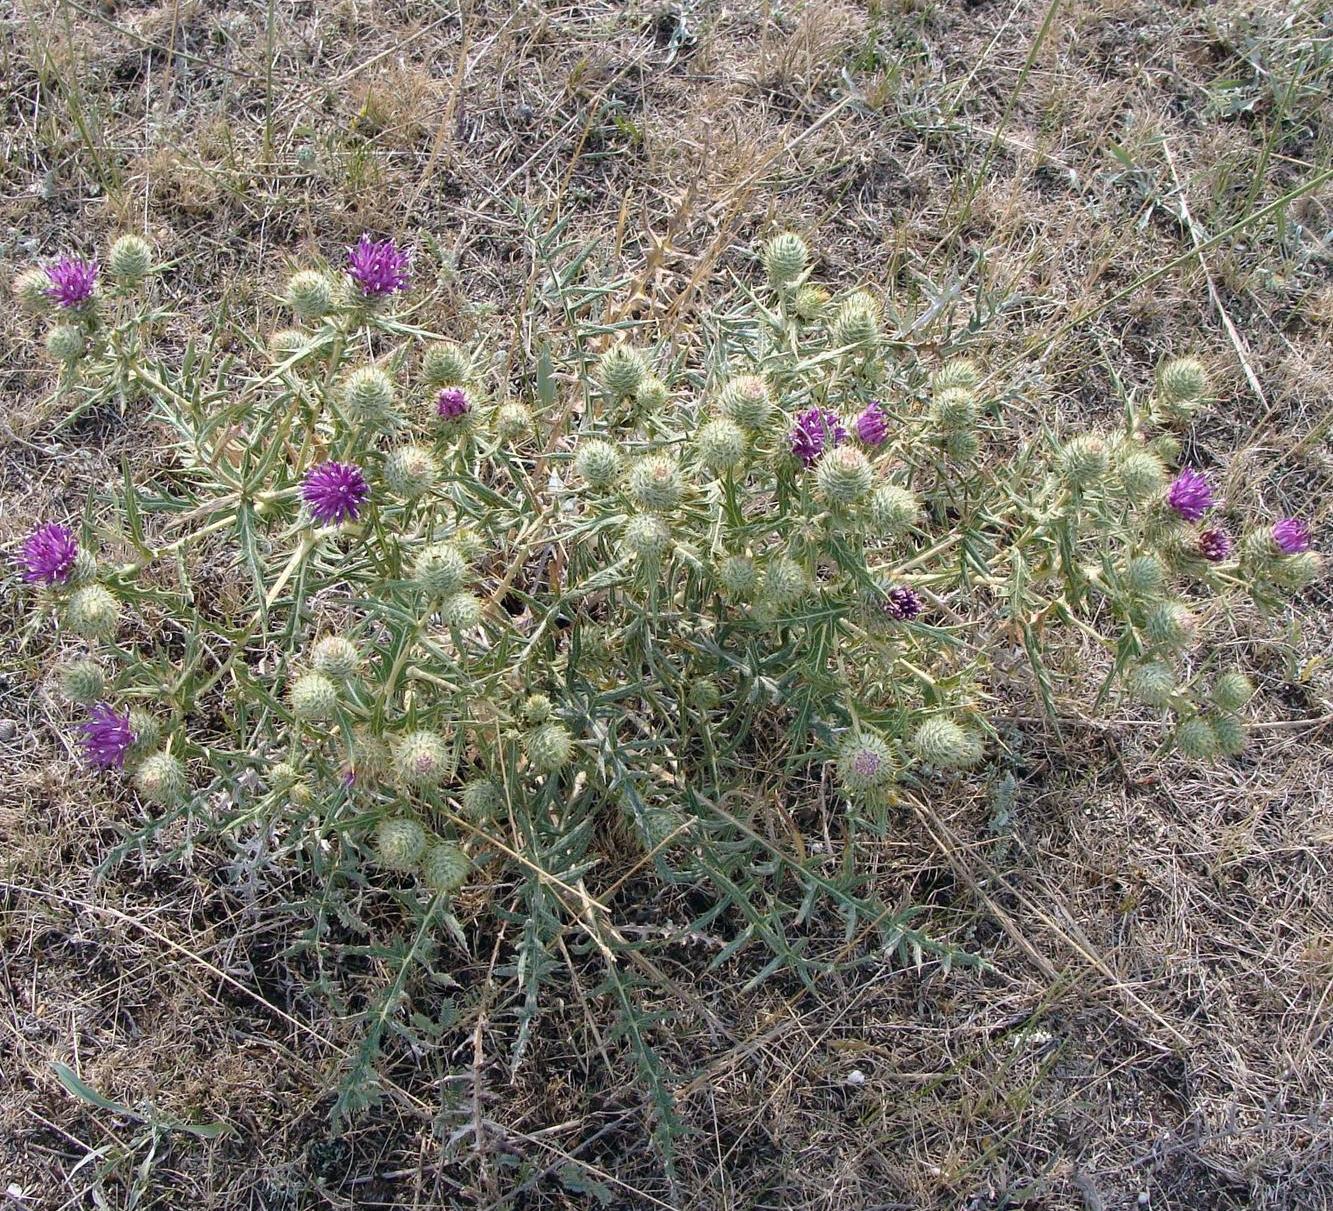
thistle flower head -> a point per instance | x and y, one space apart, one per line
785 581
513 421
73 281
1141 474
1169 625
655 483
865 762
483 799
32 291
954 410
844 476
378 267
597 463
947 745
1291 535
410 472
1145 575
651 395
894 510
721 444
367 395
856 324
747 401
399 842
902 603
1083 460
785 257
82 681
548 747
956 372
444 867
309 294
452 403
1228 734
646 537
872 426
1215 545
1232 690
335 492
65 343
160 778
130 259
440 569
1152 684
335 657
92 612
738 576
1196 739
107 737
1189 495
446 364
1182 380
313 697
462 611
816 429
48 554
620 370
422 758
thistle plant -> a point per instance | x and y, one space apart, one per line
486 638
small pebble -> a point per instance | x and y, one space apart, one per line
856 1077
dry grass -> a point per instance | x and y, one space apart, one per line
1153 1026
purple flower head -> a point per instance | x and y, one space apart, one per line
903 603
48 554
452 403
378 267
1292 535
1190 495
72 281
335 492
815 430
1215 545
872 426
107 737
867 762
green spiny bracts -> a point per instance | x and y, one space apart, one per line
1140 474
371 756
954 410
282 775
785 581
92 612
446 364
483 799
962 446
747 401
422 759
286 344
958 373
461 611
1296 572
651 395
32 291
1230 734
1145 576
130 260
537 709
646 537
410 472
161 779
1196 739
1166 446
309 294
738 576
1169 625
844 476
313 697
335 657
65 344
1182 384
1084 460
513 421
659 827
856 324
894 510
444 867
82 682
809 303
1152 684
548 747
367 396
85 568
785 259
655 483
439 569
399 842
705 694
620 370
721 444
865 763
147 732
1259 550
946 745
597 463
1231 691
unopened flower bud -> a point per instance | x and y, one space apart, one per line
738 576
313 697
82 682
1196 739
620 370
785 581
1141 475
746 401
160 778
422 759
286 344
946 745
309 294
651 395
954 410
1182 381
444 867
32 291
962 446
721 444
537 708
1296 572
65 344
439 569
809 303
646 537
1232 690
597 463
1145 576
513 421
655 483
785 259
894 510
1152 684
445 364
956 373
548 747
1084 460
367 395
461 611
844 475
335 657
410 472
483 799
92 612
1229 733
399 842
856 324
1169 625
130 260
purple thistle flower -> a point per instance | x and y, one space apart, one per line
1190 495
335 492
1292 535
48 554
452 403
903 603
814 431
72 281
872 426
378 267
867 762
1215 545
107 737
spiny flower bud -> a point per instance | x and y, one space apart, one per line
309 294
597 463
894 510
513 421
161 779
809 303
747 401
286 344
865 762
314 697
1229 734
1145 576
483 799
954 410
721 444
785 259
82 682
1141 475
548 747
655 483
651 395
335 657
738 576
1232 690
844 475
445 364
646 537
1084 460
785 581
410 472
422 758
130 260
444 867
657 825
1166 446
32 291
1296 572
957 372
92 612
620 370
1152 684
439 569
537 708
1182 381
1169 625
65 343
399 842
856 325
367 395
705 694
282 775
962 446
147 732
462 611
1196 739
946 745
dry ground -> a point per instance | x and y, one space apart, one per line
1154 1028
